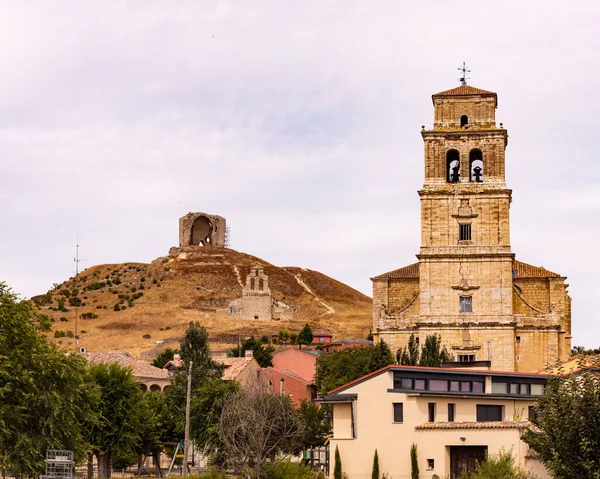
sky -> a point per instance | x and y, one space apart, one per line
299 122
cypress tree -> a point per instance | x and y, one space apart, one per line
337 470
414 463
375 473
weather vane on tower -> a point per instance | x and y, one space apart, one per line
464 72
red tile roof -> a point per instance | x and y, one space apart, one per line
141 369
234 366
410 271
525 270
464 90
474 425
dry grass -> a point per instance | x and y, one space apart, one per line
198 289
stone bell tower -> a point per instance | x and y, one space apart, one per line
467 285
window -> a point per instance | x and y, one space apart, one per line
465 358
464 121
251 283
477 386
465 387
407 383
476 166
452 166
466 304
420 385
398 412
430 464
438 385
524 389
488 413
464 232
537 389
451 411
454 386
499 388
261 284
514 389
518 339
431 411
532 412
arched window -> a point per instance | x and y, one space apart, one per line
452 166
251 283
464 121
476 166
261 284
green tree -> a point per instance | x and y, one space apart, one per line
283 336
432 353
337 469
164 357
44 394
121 413
262 354
375 472
409 355
317 424
206 407
566 432
498 466
340 367
306 336
414 462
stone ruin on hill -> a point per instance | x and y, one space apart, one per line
201 229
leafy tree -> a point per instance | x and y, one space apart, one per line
164 357
206 407
283 336
409 355
288 470
581 350
498 466
567 426
337 469
121 413
375 472
317 424
262 354
306 336
44 394
414 462
369 336
432 353
340 367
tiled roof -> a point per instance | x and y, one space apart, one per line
464 90
473 425
233 367
410 271
366 342
141 369
286 372
572 365
525 270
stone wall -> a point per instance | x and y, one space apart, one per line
202 229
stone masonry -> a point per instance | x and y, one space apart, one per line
490 309
201 229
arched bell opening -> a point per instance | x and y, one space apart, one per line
464 121
476 166
452 166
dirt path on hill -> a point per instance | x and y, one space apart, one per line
329 309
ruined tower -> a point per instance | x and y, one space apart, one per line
202 229
490 310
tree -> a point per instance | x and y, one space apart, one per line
164 357
283 336
566 432
316 423
432 353
45 395
409 356
337 469
121 413
499 466
207 405
414 462
375 473
340 367
306 336
258 429
262 354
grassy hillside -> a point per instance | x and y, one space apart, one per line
131 306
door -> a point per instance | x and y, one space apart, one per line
464 459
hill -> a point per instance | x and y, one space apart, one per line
131 306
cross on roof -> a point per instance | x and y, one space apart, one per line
464 72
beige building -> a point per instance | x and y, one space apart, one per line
490 309
454 416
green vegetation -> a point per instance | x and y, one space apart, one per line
262 354
306 336
375 472
164 357
498 466
414 463
432 354
337 469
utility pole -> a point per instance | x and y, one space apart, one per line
186 441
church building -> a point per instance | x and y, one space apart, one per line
491 310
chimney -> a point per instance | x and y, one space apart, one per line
249 354
176 357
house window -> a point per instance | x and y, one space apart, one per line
524 389
430 464
532 412
454 386
514 389
466 304
537 389
499 388
398 412
465 358
477 386
487 413
451 411
464 232
431 411
465 387
438 385
420 385
407 383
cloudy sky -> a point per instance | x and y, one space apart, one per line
297 121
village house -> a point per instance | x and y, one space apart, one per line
454 416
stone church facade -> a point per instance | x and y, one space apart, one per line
490 309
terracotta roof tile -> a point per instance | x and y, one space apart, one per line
233 367
525 270
141 369
473 425
464 90
410 271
